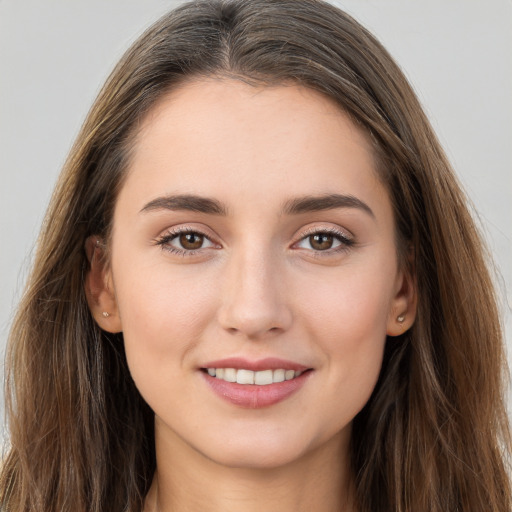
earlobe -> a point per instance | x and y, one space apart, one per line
99 288
403 310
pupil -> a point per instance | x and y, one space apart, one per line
191 240
321 241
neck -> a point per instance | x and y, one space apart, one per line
187 480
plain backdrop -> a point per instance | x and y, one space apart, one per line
55 54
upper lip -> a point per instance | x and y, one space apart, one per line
269 363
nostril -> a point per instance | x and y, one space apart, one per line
253 331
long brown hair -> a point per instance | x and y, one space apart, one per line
433 437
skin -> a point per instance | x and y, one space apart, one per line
257 287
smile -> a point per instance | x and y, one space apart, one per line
259 378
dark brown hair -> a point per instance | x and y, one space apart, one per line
434 436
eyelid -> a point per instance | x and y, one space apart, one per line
187 228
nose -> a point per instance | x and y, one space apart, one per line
254 299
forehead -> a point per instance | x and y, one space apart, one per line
222 136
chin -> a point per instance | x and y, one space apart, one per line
269 451
253 458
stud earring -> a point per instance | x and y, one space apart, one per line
105 314
400 319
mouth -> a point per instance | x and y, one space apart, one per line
258 378
255 384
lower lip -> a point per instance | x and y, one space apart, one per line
252 396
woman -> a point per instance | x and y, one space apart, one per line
258 288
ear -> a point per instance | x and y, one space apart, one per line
99 288
403 308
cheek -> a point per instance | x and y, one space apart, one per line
163 314
347 318
355 302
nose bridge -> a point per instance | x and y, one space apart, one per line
254 301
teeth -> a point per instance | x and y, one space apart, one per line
261 378
279 375
230 374
245 377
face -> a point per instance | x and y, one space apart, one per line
253 241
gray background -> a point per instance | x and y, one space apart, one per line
55 54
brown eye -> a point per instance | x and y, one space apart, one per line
321 241
185 242
191 241
325 241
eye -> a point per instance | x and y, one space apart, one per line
190 241
184 242
319 242
325 240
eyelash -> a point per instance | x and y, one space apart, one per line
345 242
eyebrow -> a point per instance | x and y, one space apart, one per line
305 204
308 204
187 202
